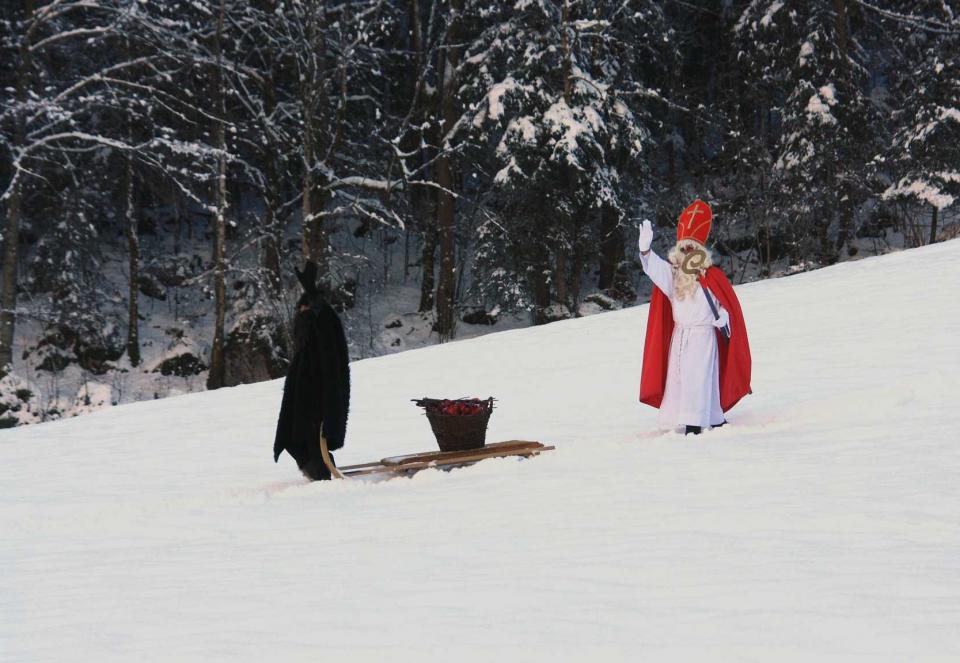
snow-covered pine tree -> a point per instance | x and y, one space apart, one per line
56 131
431 148
74 304
448 74
554 97
808 56
924 156
633 49
415 96
744 180
97 83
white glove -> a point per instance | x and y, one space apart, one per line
723 319
646 236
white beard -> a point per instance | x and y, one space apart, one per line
685 284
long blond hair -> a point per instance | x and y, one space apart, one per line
685 284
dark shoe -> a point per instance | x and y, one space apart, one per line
723 423
696 430
315 470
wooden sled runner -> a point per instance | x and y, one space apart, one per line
443 460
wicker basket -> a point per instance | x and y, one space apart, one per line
458 432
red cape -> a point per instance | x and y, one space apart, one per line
734 354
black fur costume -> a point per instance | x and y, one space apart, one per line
317 388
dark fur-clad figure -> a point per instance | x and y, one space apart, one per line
317 388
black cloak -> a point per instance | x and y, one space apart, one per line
317 388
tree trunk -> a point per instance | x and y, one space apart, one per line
565 49
446 212
560 273
445 228
272 231
133 250
316 243
840 16
560 257
845 232
611 247
313 92
541 290
767 246
579 261
426 205
827 251
421 198
270 258
427 265
933 225
11 237
217 375
8 316
133 242
416 43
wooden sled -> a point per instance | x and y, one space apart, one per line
442 460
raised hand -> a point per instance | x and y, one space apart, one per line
646 236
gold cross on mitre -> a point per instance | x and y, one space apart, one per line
692 213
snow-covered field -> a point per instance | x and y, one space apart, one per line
823 524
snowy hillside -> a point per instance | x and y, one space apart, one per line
821 525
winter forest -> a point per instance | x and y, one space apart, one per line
452 166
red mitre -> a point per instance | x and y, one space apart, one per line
694 222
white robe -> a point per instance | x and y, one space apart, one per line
692 395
